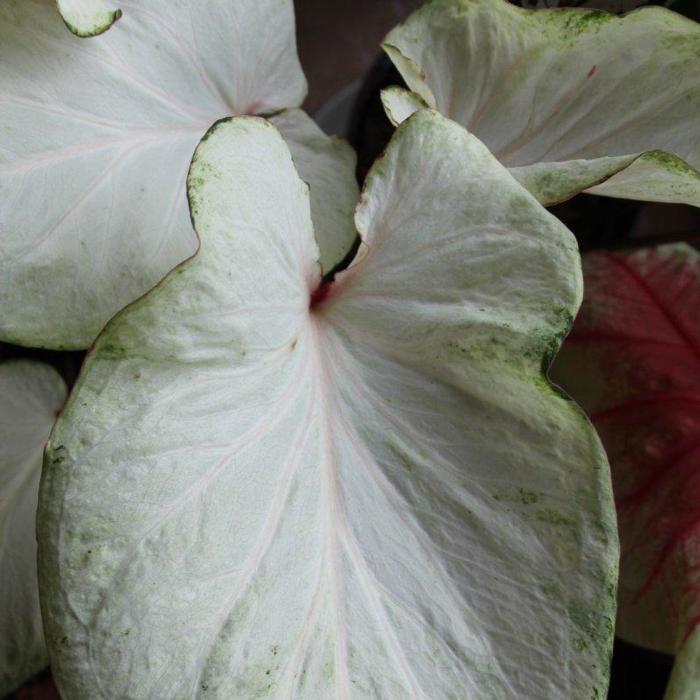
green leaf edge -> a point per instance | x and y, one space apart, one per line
99 29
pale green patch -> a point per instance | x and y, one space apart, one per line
556 100
553 182
86 18
673 180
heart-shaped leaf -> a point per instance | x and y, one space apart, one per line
88 17
96 140
568 99
31 394
266 486
633 362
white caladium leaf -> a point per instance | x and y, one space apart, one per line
31 393
88 17
96 142
268 486
568 99
327 165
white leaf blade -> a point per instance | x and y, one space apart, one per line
551 89
86 18
32 393
327 165
109 127
371 538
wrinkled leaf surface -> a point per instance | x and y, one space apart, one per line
269 488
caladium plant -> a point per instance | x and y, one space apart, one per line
269 484
633 362
108 127
31 393
87 18
568 99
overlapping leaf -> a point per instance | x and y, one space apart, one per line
87 18
633 362
97 137
568 99
327 165
264 486
30 395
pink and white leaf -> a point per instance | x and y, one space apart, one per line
633 363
